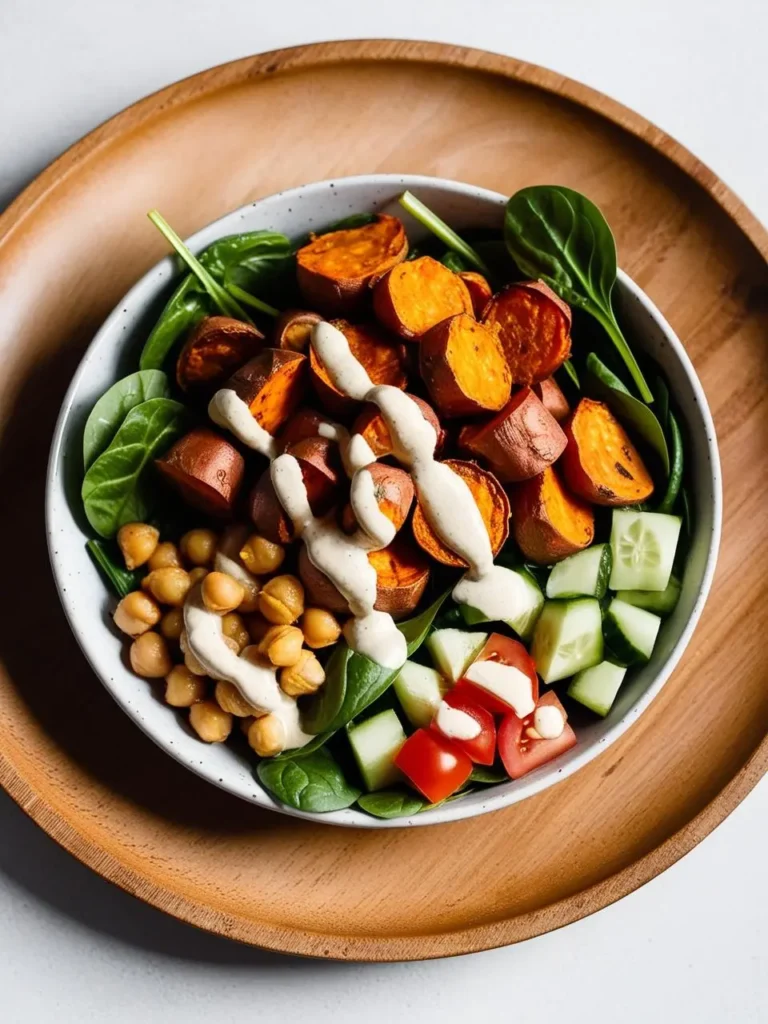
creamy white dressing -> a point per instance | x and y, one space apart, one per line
228 410
505 682
373 522
355 451
455 723
548 721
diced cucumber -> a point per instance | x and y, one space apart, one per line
568 637
420 690
596 687
453 649
525 614
661 602
375 742
630 632
585 573
643 546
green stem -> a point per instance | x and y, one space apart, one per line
613 331
438 227
225 302
251 300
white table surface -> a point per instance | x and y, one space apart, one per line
690 946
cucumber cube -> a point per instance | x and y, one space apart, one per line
585 573
420 690
523 618
568 637
596 687
660 602
453 649
375 743
630 632
643 546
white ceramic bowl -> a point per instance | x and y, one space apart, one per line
114 352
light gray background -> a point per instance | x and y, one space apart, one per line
690 946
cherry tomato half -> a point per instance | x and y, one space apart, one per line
505 651
519 753
435 766
481 748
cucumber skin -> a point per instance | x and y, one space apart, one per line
624 653
539 655
675 480
660 602
603 575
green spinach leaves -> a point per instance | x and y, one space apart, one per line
311 783
115 404
121 580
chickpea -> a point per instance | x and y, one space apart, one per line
149 656
245 724
222 593
191 662
260 556
199 546
229 699
197 574
170 585
251 590
281 600
138 542
172 624
209 722
136 613
267 736
282 645
320 627
232 626
257 627
165 556
306 676
183 688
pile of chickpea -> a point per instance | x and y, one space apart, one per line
265 619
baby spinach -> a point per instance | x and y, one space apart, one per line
561 237
415 630
454 262
438 227
604 384
113 406
485 775
119 578
676 469
311 783
115 487
391 803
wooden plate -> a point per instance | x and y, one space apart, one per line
72 244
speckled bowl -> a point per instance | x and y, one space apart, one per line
114 352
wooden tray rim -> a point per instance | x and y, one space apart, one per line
392 947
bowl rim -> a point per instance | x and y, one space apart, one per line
504 794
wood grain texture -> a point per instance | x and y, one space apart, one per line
73 243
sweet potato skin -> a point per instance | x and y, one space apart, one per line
267 513
479 291
370 423
549 523
533 325
519 442
206 469
415 296
293 329
394 495
463 367
492 502
335 270
382 356
213 351
272 385
600 463
552 398
321 470
304 423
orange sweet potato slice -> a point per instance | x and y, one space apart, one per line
394 492
548 522
214 350
371 424
382 357
334 270
415 296
305 422
600 463
479 290
552 398
463 367
206 469
272 385
518 443
293 329
534 328
492 502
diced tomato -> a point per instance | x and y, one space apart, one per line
505 651
519 753
435 766
482 748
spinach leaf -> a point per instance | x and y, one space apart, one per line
606 385
119 578
676 469
182 313
115 487
415 630
312 783
570 370
485 775
454 262
322 710
446 234
392 803
559 236
113 406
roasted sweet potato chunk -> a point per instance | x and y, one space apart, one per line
479 290
463 367
382 357
267 513
293 329
305 422
548 522
491 501
534 328
335 269
415 296
272 385
394 492
600 463
206 469
371 424
552 398
519 442
213 351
